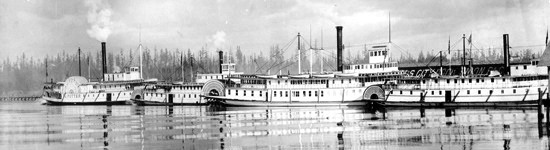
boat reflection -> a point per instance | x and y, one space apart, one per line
204 127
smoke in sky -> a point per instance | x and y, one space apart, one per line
99 18
219 39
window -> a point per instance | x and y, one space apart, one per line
228 92
274 93
462 80
524 67
501 91
456 81
252 93
316 93
391 92
304 93
432 92
440 92
244 93
411 92
401 92
281 93
448 81
286 93
477 80
309 93
467 91
478 91
503 79
237 92
514 90
492 80
435 80
469 80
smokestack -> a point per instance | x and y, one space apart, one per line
339 48
104 60
220 55
506 49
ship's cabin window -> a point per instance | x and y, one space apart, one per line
503 79
309 93
411 92
492 80
478 91
517 67
261 93
316 93
432 92
251 93
462 80
514 90
456 81
278 81
423 81
304 93
281 93
237 92
467 91
502 91
286 93
435 80
525 67
349 80
440 92
244 92
274 93
448 81
401 92
342 81
477 80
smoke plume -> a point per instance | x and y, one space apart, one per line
99 18
219 39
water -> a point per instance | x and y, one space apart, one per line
35 126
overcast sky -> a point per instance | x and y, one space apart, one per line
38 27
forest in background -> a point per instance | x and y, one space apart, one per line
24 75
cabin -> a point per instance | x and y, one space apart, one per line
130 73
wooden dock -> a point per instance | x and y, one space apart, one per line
19 99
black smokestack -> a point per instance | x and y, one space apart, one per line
339 48
506 49
104 60
220 55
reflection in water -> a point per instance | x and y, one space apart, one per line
35 126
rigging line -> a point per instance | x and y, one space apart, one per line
284 51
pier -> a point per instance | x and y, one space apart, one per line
19 99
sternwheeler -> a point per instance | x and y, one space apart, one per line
521 84
345 87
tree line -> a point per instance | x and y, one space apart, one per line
25 76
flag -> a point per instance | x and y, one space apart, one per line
546 37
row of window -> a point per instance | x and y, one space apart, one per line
467 92
371 66
187 88
177 95
482 80
111 86
294 93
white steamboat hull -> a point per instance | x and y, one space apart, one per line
152 98
527 96
254 103
107 98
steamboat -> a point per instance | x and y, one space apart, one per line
345 87
114 89
517 85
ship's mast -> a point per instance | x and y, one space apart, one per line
299 56
79 69
463 54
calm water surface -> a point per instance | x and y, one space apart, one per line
35 126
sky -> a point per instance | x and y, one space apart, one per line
47 27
